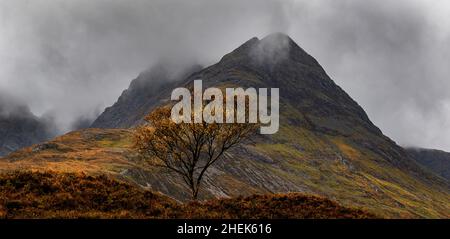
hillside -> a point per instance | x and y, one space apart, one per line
326 144
55 195
435 160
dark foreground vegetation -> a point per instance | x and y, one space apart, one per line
70 195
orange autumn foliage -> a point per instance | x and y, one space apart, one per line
188 149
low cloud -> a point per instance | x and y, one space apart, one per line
70 58
13 107
272 49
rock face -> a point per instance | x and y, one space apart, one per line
20 129
326 144
435 160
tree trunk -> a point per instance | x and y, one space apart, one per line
194 193
194 196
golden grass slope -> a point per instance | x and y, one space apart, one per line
329 166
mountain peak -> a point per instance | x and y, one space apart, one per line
277 36
323 132
271 49
273 37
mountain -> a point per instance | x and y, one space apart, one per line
142 95
20 128
435 160
326 144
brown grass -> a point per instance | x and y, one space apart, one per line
273 206
70 195
73 195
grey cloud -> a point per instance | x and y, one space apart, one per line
70 58
272 49
12 107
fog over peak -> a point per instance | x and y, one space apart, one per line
272 48
72 58
10 106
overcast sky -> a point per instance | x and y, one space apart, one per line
72 58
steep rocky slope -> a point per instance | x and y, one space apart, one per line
326 144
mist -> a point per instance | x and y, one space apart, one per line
68 60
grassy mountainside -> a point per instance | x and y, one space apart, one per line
72 195
351 181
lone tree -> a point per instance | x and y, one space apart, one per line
187 149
